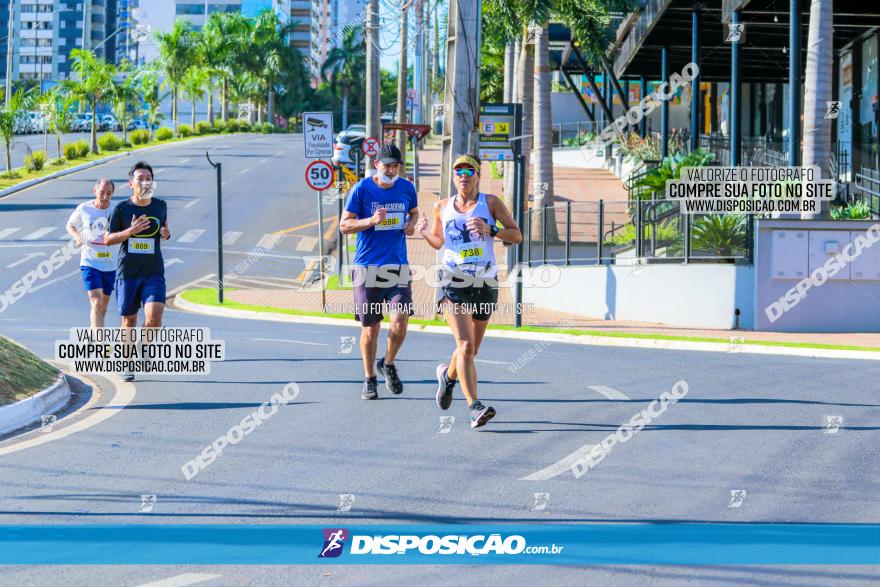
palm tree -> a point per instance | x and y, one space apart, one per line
193 84
20 102
124 93
817 91
150 89
524 14
211 47
501 25
175 57
245 88
95 78
345 64
267 54
588 19
57 104
235 30
542 164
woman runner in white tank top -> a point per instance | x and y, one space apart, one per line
464 228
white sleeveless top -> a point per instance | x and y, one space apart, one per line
462 249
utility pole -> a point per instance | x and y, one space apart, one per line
401 78
425 76
9 37
462 85
87 16
419 66
435 67
374 126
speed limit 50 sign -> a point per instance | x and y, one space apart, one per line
319 175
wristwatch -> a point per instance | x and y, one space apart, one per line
493 231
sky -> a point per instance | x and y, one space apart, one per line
389 36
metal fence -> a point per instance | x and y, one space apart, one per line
600 233
867 189
573 134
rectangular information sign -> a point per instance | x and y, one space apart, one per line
498 124
318 134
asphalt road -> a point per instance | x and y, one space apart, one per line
748 422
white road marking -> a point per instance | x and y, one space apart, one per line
210 278
184 161
292 341
53 281
263 160
225 252
28 245
181 580
191 235
25 259
231 236
560 466
608 392
174 261
39 233
488 362
267 240
124 395
279 153
243 171
191 204
6 232
307 243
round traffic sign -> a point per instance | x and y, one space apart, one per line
371 146
488 128
319 175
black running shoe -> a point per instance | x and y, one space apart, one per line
370 389
481 414
392 381
444 387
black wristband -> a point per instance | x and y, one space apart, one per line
493 231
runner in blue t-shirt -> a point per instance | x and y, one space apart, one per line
382 210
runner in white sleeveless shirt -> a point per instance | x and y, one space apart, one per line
464 227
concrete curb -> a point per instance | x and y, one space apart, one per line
644 343
83 166
48 401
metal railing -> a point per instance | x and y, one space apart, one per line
867 188
754 151
617 232
573 134
633 184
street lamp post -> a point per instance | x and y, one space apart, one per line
9 37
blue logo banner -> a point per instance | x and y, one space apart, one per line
563 544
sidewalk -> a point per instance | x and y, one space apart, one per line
581 185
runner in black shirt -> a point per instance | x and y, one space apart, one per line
139 224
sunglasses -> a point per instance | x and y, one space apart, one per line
465 172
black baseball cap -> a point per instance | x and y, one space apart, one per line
390 154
